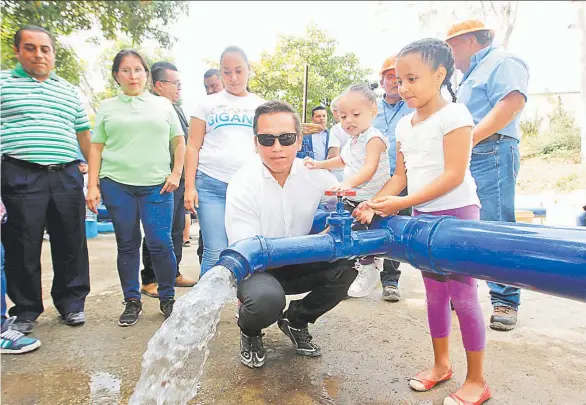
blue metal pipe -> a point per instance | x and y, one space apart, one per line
551 260
259 254
545 259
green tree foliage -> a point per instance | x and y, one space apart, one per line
560 139
279 75
138 20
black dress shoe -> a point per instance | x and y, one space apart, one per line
74 318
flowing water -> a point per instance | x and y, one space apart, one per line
173 362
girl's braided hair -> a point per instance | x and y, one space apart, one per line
436 53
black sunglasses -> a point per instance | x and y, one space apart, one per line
284 139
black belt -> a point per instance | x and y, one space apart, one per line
493 138
50 168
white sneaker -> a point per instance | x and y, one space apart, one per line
366 281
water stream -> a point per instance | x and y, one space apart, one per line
175 357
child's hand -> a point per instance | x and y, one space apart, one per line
82 166
363 213
311 163
389 205
343 186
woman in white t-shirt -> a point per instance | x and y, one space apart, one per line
434 146
220 142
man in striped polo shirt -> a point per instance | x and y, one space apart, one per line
43 123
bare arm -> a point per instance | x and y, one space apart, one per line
333 152
174 179
178 144
456 158
330 164
94 165
500 116
398 181
374 148
197 130
84 141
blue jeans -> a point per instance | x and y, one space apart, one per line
495 166
581 219
211 212
128 206
148 274
3 317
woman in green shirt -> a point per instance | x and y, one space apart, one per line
129 166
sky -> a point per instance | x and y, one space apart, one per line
373 32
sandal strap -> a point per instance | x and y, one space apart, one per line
461 401
427 383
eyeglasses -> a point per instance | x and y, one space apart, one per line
175 82
127 72
284 139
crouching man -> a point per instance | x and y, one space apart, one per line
278 196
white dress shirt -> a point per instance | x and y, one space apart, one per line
257 205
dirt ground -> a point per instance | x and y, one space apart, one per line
370 349
539 175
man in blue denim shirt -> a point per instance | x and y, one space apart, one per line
319 146
390 110
494 88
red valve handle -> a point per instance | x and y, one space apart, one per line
347 193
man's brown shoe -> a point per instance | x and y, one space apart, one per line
183 281
503 318
150 290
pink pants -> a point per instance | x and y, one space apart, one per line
462 290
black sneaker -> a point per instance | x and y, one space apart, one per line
301 339
252 351
74 318
167 307
130 315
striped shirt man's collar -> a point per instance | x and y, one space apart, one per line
19 71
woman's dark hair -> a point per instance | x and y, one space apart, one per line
235 49
436 53
124 53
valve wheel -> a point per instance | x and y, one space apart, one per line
347 193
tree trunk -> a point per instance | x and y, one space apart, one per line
509 17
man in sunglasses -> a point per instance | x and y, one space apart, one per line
277 196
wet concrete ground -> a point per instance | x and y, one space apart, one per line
370 348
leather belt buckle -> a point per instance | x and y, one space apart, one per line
54 168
